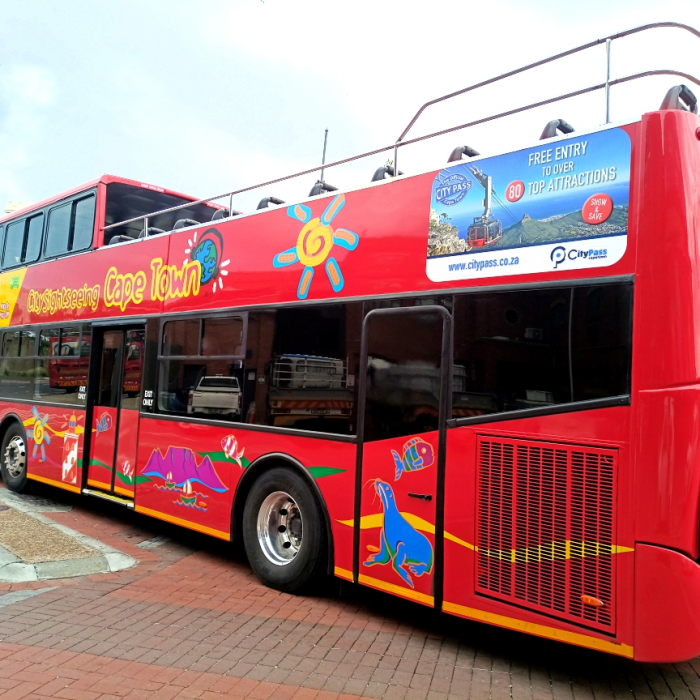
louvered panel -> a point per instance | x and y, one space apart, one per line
546 527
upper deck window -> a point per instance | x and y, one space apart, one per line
23 241
70 226
127 201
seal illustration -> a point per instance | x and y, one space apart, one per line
408 550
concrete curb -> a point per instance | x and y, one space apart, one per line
106 560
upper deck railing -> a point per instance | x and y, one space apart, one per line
402 141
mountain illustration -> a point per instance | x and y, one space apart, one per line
179 465
568 227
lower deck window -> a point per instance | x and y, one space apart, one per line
529 349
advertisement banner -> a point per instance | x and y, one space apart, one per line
562 205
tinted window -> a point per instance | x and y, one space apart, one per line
291 368
403 377
222 336
512 350
59 229
181 338
301 367
13 244
35 229
84 223
70 226
206 383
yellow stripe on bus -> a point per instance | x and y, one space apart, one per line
511 623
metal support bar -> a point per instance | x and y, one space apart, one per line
607 82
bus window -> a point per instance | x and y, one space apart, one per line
17 365
70 227
201 367
61 368
14 241
33 232
539 348
23 241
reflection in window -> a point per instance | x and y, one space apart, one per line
62 367
207 380
403 376
512 351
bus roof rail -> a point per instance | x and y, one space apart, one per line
402 141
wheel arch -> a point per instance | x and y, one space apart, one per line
7 422
251 474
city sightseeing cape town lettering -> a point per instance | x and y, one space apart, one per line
500 427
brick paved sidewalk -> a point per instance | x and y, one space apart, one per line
191 621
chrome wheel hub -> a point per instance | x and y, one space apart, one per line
280 528
15 457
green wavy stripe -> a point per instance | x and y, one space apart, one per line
320 472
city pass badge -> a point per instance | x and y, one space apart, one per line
14 282
452 189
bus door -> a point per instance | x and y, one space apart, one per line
404 395
116 392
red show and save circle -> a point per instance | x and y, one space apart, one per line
597 209
515 190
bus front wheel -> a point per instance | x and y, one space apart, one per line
13 458
284 532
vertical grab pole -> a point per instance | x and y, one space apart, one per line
396 159
323 160
230 204
145 227
607 83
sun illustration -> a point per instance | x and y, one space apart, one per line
314 244
208 251
39 434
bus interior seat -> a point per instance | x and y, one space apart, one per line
120 238
461 151
265 202
183 223
224 214
550 131
152 231
680 97
381 173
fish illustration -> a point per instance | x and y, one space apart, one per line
230 446
103 423
417 454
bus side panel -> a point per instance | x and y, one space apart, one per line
213 459
54 443
603 429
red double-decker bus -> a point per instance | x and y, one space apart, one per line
505 433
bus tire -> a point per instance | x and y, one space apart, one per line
284 532
13 458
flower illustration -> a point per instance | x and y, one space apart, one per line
314 244
39 434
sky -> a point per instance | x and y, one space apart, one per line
208 96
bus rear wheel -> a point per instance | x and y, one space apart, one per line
284 532
13 458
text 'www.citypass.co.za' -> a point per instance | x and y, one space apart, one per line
480 265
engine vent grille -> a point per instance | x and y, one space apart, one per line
546 528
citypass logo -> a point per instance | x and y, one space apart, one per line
560 255
452 188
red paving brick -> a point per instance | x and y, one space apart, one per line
192 621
